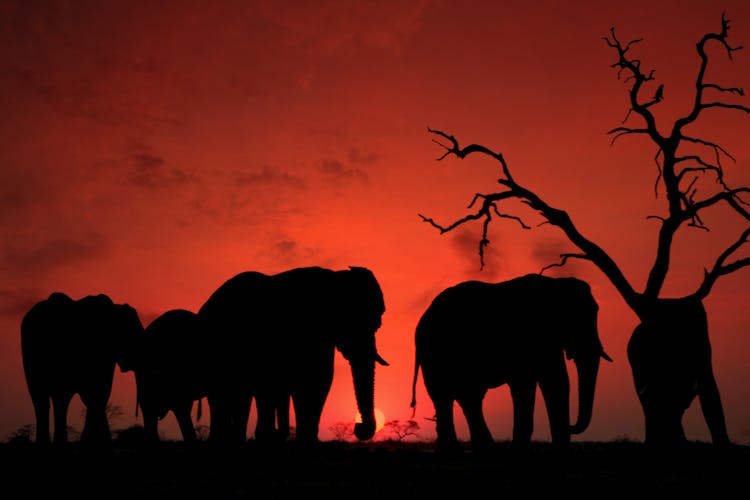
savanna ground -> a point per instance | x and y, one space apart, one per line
382 470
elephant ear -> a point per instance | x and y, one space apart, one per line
360 310
129 336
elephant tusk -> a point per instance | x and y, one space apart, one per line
380 360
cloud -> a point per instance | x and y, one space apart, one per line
337 172
16 303
287 252
358 157
52 255
150 171
466 243
269 176
368 24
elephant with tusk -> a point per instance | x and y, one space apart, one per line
273 337
476 336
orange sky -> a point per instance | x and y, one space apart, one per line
151 150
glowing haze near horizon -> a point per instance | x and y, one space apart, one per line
152 150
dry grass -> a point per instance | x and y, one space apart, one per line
372 470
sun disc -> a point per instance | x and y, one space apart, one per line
379 419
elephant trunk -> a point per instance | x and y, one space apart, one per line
587 373
363 375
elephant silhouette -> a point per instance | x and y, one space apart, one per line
475 336
670 358
171 372
71 347
273 337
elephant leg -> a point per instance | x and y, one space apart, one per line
307 423
555 389
95 426
447 441
282 417
240 416
663 415
151 425
308 407
185 421
471 405
60 414
265 429
713 412
218 428
41 415
523 393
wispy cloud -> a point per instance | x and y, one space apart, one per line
338 173
151 171
269 176
466 244
33 261
362 158
288 252
16 303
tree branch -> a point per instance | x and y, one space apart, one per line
700 86
720 268
556 217
564 259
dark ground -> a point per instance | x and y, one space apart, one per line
374 470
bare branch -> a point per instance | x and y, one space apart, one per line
725 106
471 148
659 152
564 259
507 216
721 268
718 150
454 225
620 131
700 86
732 197
704 167
731 90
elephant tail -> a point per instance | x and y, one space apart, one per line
414 387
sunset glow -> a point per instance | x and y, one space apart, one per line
379 419
152 150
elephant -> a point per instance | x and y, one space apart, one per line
171 373
476 335
71 347
274 338
670 358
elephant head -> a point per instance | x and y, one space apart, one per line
361 310
99 317
578 313
128 336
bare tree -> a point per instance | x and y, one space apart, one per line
399 431
342 431
669 351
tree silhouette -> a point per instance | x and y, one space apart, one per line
400 430
342 431
669 351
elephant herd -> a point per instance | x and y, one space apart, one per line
272 338
267 337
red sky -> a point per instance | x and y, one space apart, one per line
151 150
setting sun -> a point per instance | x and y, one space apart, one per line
379 419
